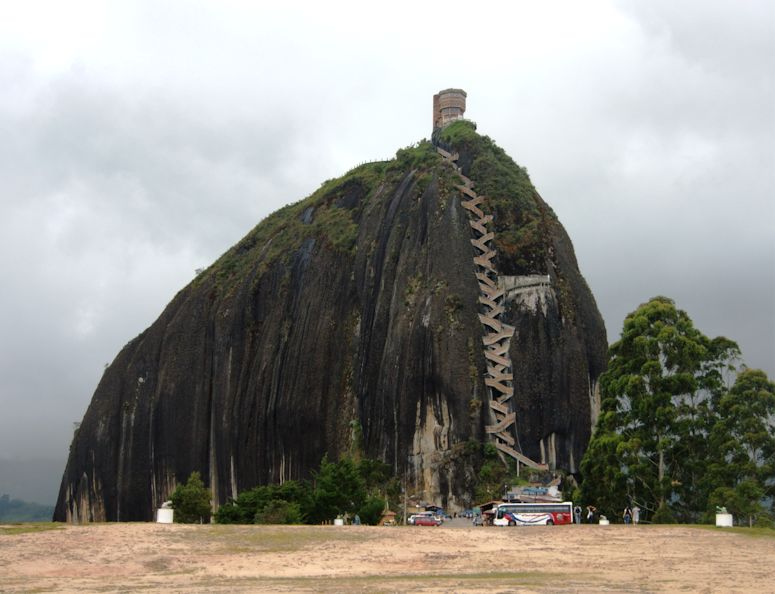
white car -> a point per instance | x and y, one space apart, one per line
411 518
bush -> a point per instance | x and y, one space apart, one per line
230 513
191 501
764 521
248 506
663 515
279 511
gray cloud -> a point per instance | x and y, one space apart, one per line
139 142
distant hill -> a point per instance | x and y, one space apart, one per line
16 510
31 479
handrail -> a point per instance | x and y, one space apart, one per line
497 340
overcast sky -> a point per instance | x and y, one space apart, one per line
141 139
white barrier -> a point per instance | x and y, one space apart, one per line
164 515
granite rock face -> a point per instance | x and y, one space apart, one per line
348 320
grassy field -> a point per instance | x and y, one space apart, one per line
754 532
27 527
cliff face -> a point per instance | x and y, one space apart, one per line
353 312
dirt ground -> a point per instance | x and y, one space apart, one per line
185 558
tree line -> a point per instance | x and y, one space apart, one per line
16 510
684 428
347 487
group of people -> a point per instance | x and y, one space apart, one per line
590 515
631 515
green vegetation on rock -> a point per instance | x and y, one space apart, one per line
493 476
330 215
520 216
322 216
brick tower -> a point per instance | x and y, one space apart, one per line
448 105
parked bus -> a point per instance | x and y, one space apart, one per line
533 514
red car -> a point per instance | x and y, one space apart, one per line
426 521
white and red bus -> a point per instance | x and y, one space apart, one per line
533 514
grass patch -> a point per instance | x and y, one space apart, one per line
28 527
241 538
407 582
751 532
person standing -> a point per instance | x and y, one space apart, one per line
591 509
635 515
627 515
577 514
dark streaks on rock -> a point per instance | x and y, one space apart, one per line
357 305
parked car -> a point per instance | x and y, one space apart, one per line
427 521
411 519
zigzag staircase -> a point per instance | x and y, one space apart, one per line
497 338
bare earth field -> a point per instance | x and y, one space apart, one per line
185 558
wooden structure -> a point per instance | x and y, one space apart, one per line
388 518
497 337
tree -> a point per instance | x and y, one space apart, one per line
372 509
376 474
339 489
650 444
743 441
191 501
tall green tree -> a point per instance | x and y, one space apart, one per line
191 501
742 474
657 397
339 489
